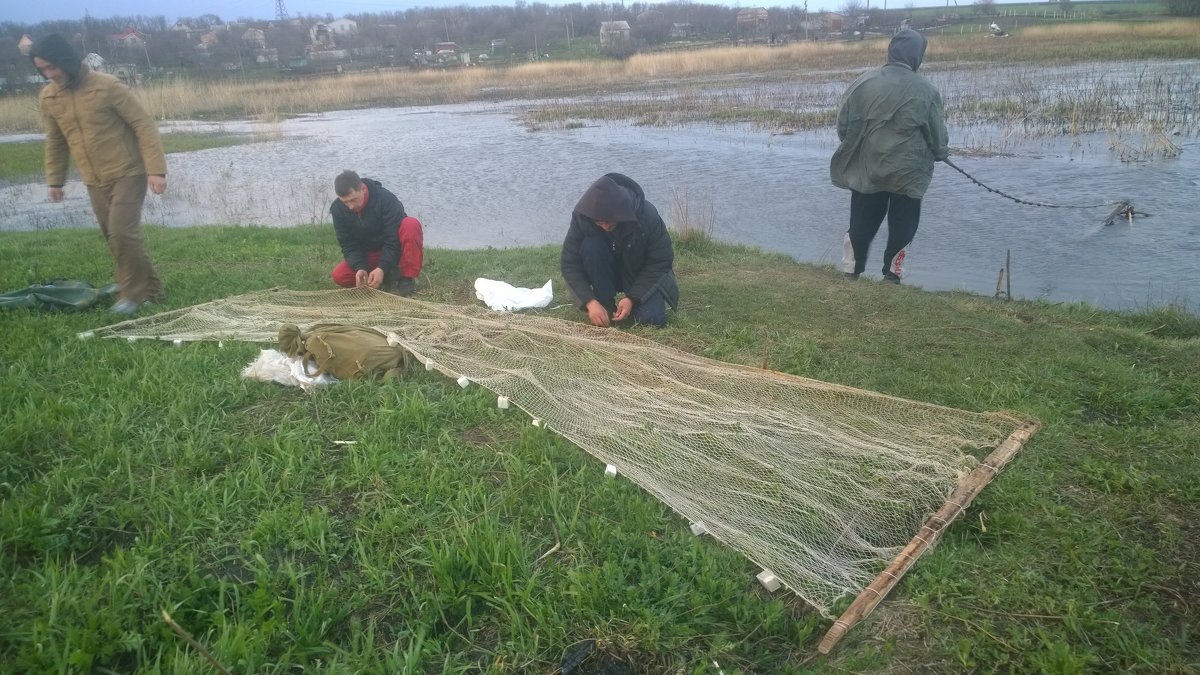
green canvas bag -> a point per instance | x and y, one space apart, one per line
345 352
64 294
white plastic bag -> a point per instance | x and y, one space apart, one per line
273 365
504 297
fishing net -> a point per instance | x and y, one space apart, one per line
819 483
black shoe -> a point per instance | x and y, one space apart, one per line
890 278
406 286
850 276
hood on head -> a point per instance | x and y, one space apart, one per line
613 198
55 49
907 48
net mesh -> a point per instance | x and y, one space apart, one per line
819 483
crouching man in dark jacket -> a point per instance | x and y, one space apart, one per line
382 246
618 242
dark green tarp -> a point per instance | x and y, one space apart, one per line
65 294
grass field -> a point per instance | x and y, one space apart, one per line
137 478
26 158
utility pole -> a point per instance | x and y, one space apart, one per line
281 14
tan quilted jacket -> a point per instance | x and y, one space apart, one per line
107 131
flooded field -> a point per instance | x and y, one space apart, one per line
477 176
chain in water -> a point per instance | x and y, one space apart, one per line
1025 201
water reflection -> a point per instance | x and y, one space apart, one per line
476 177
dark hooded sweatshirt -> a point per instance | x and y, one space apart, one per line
375 228
640 241
891 126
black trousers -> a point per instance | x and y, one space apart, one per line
866 215
603 270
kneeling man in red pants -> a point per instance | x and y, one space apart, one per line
382 246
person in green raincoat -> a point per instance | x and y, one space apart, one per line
892 129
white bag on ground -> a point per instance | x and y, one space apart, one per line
503 297
273 365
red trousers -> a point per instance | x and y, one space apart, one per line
412 254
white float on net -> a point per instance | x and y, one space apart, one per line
768 580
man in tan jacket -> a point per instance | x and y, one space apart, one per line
94 118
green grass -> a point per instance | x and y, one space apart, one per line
25 159
141 477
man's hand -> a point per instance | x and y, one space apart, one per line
56 194
360 278
157 184
375 278
624 309
598 313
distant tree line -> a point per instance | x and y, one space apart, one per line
523 27
1183 7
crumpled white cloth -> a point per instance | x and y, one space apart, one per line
273 365
503 297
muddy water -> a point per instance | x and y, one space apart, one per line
476 177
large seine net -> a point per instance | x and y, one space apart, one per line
820 483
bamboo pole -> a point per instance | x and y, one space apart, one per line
968 488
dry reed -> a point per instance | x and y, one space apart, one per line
273 100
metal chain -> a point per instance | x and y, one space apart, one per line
1024 201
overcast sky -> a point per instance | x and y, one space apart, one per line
22 11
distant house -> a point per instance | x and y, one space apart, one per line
344 26
126 72
254 37
445 48
321 36
181 27
269 55
614 35
130 37
753 21
827 22
95 62
682 30
208 40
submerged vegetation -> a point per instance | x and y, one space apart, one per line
454 537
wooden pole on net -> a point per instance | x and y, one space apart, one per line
968 488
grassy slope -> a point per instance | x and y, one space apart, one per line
142 477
